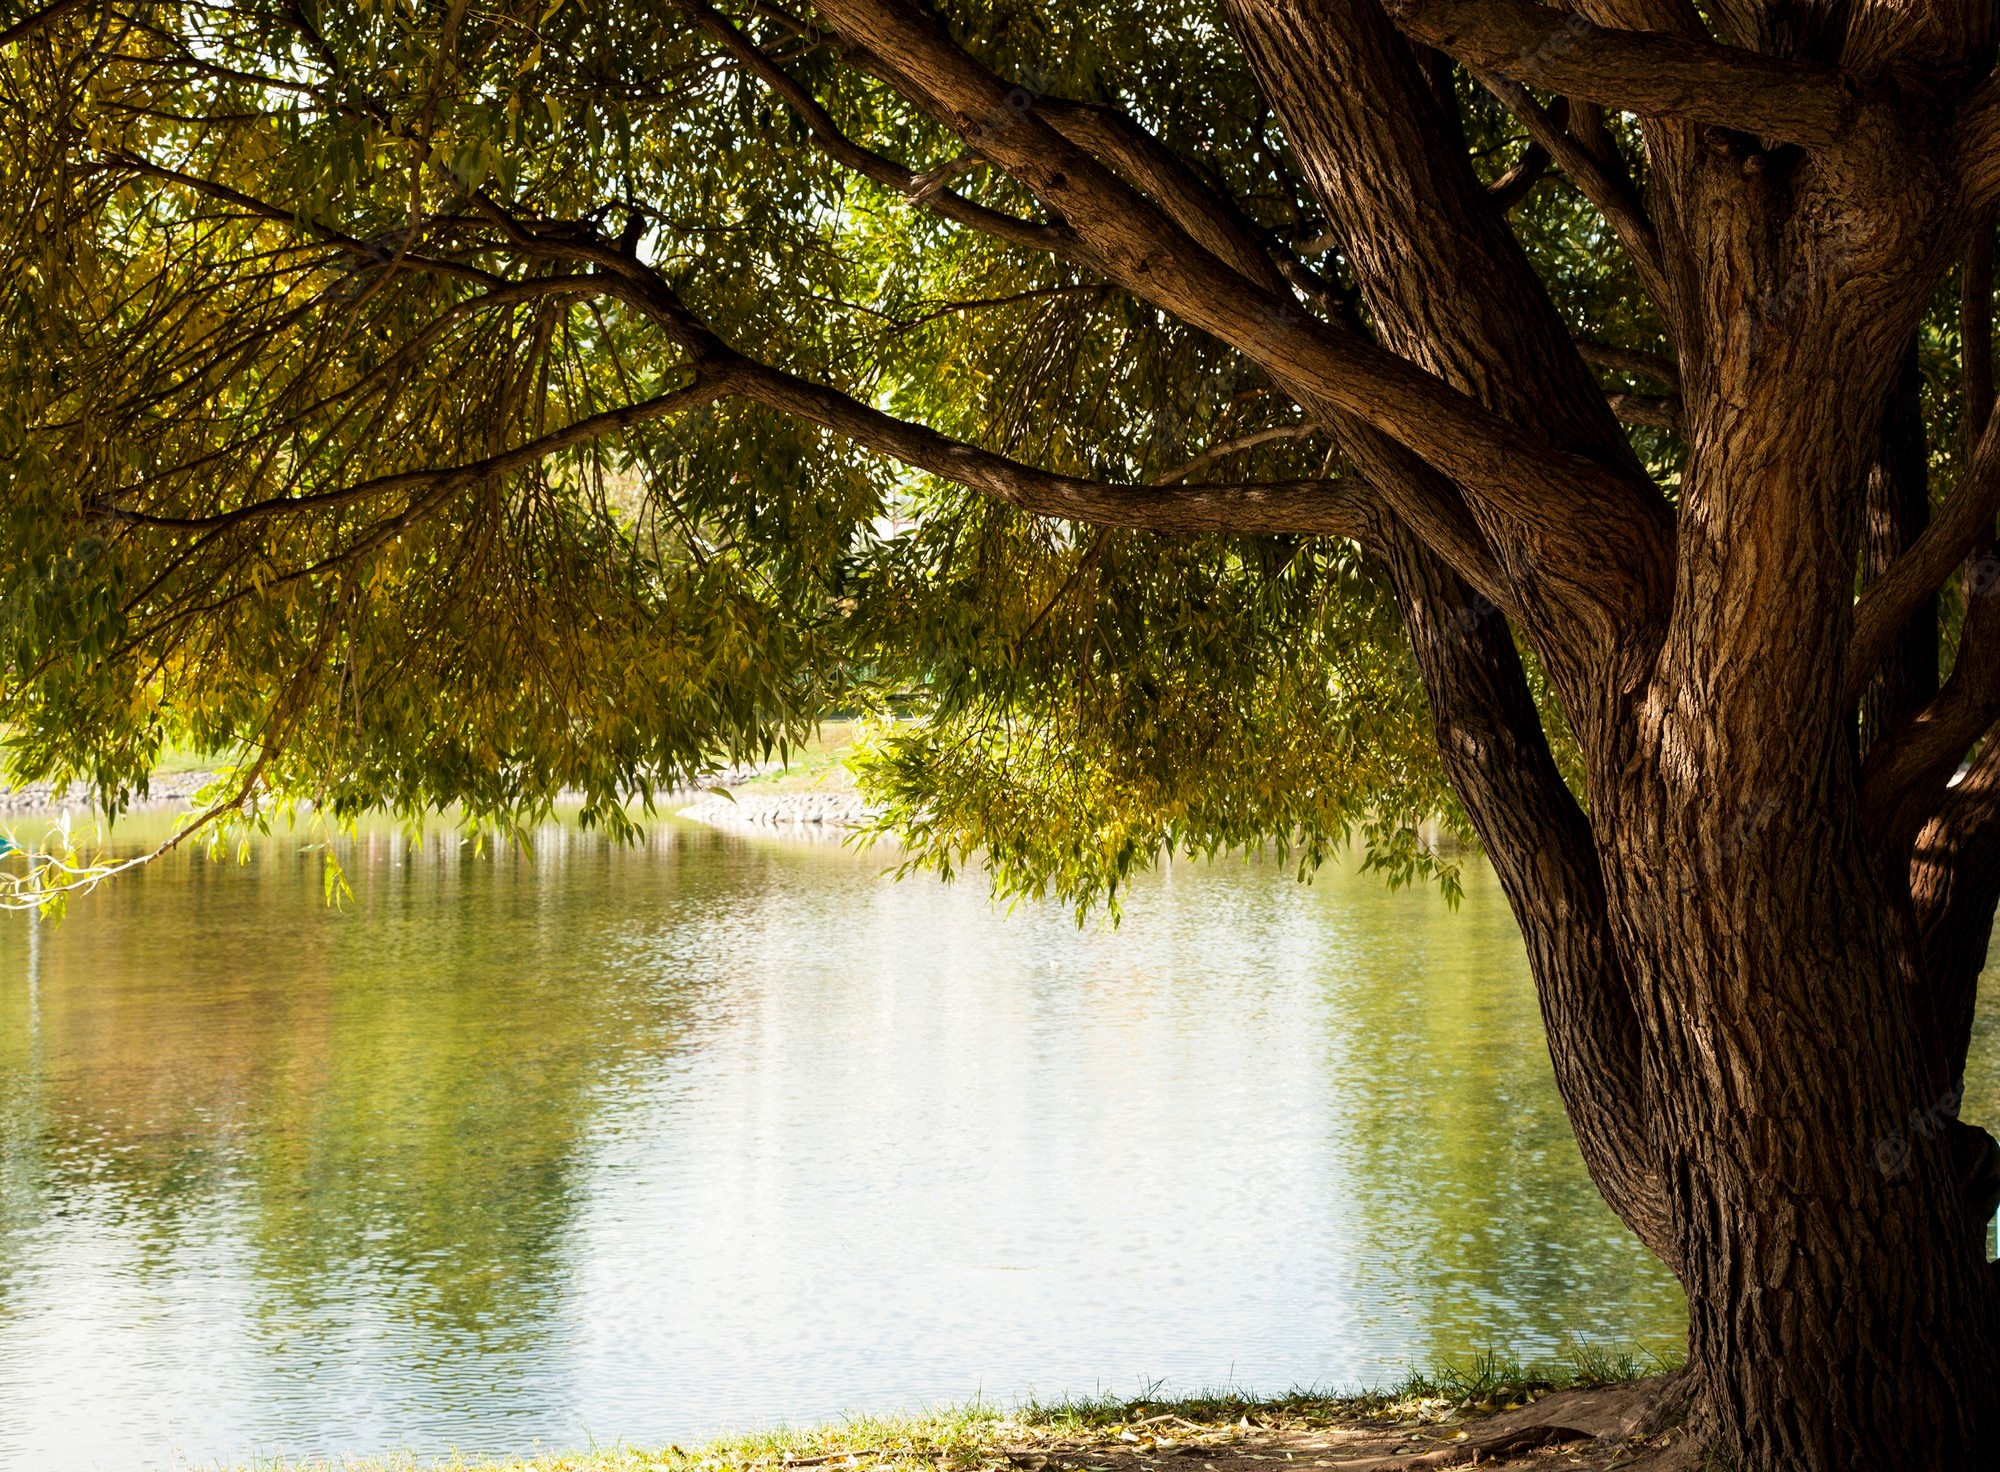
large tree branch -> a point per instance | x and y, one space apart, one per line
1447 285
1207 216
1113 136
1599 536
1903 781
1306 507
1672 17
1117 139
1975 143
1888 603
1646 72
1490 738
1447 523
1948 37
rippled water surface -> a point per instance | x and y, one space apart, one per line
643 1144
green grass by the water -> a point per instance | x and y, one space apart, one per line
978 1437
819 763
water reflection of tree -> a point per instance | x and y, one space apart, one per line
390 1104
1468 1186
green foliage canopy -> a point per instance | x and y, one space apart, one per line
322 437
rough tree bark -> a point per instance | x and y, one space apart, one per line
1815 1177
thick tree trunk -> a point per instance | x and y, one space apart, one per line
1840 1312
1733 997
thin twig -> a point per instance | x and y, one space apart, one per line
1230 447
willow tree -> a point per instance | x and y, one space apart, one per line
1208 418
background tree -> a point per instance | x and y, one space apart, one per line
1211 414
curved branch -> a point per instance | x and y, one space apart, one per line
1647 72
1250 441
1609 191
1303 507
1903 780
1892 599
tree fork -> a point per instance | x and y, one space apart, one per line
1449 286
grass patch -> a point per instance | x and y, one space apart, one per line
177 759
984 1438
820 764
1489 1382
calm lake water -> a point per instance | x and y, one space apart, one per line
641 1144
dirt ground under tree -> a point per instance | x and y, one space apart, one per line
1633 1425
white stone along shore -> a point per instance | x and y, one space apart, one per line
177 789
812 812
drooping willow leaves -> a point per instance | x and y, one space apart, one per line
328 441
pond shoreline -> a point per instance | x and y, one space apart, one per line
162 792
729 801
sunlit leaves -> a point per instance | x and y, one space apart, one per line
279 274
1089 703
